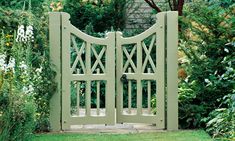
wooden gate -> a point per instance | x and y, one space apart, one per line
146 86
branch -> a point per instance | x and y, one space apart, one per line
175 5
169 2
152 4
180 7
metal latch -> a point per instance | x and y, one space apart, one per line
124 78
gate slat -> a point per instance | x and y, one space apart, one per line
88 98
78 94
129 93
149 93
88 83
98 94
139 85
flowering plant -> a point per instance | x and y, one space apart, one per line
56 6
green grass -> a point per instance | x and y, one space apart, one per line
186 135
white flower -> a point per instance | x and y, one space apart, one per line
226 50
29 33
39 70
2 62
229 69
28 90
23 65
203 57
4 66
207 81
24 89
25 36
20 34
31 89
11 64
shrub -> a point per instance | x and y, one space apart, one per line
17 112
37 74
101 15
206 29
221 121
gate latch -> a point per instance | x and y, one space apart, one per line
124 78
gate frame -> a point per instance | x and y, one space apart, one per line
171 79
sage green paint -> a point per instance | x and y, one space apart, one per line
158 32
172 64
164 35
55 58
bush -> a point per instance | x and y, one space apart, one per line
221 121
208 62
101 15
32 69
17 118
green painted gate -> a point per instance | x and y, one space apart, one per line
114 79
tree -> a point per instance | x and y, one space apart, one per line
175 5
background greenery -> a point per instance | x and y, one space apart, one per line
26 87
206 62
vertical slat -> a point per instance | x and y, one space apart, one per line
78 94
110 85
160 73
55 57
66 96
129 93
88 83
88 98
149 92
98 94
139 85
119 72
172 64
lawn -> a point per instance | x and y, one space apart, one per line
189 135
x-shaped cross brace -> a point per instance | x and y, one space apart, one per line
79 53
129 59
98 59
148 56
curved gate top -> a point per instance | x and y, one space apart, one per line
114 79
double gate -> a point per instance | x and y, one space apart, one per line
114 79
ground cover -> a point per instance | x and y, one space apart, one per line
186 135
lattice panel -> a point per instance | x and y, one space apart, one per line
98 55
77 55
129 58
149 54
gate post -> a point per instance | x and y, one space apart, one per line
55 53
172 64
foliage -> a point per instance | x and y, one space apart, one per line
32 69
209 63
221 121
17 110
222 3
19 4
101 15
174 5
